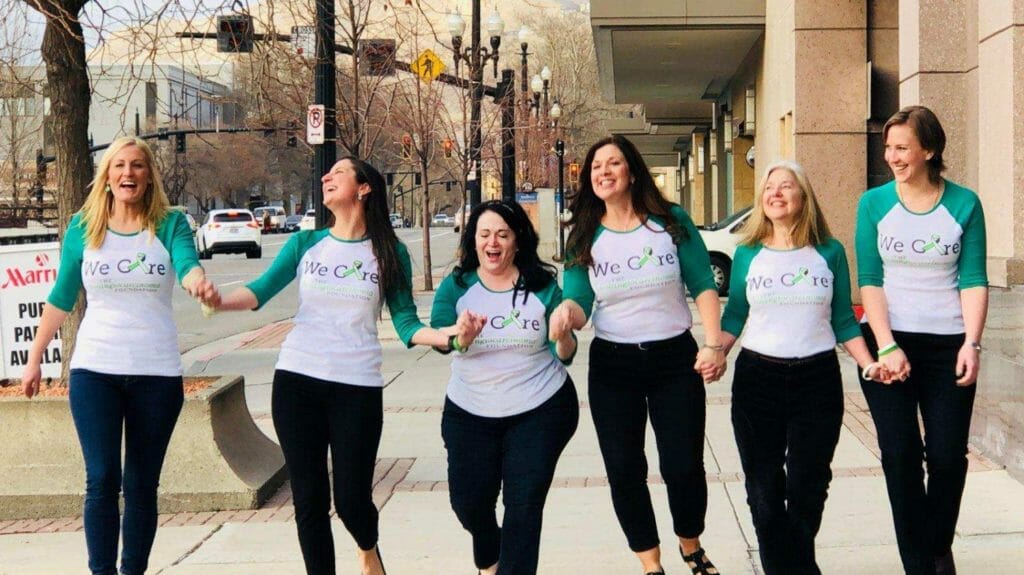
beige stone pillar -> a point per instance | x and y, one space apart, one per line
829 130
1000 144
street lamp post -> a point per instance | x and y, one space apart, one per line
507 94
324 154
560 152
475 56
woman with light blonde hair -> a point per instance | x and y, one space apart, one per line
125 248
790 287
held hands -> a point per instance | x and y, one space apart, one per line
204 290
560 323
894 366
710 363
468 326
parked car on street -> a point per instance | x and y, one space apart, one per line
308 221
229 231
277 217
721 239
397 221
188 217
291 223
442 220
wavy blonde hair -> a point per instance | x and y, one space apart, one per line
810 228
95 212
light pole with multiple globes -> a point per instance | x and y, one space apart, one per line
475 56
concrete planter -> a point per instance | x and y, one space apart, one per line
218 459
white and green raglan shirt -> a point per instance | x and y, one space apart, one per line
334 337
638 280
794 303
128 328
511 367
922 260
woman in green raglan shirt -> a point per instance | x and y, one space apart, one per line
328 389
921 268
631 257
510 407
790 287
124 248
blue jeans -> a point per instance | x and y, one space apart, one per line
146 407
517 455
924 515
787 415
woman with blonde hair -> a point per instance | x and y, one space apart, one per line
790 287
125 248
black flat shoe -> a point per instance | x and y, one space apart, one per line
698 562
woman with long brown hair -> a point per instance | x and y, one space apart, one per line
632 255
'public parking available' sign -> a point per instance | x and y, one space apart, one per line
27 273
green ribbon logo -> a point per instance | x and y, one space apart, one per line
648 254
352 270
139 258
932 244
800 276
513 318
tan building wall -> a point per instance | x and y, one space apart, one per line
699 194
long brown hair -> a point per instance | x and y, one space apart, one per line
810 228
588 209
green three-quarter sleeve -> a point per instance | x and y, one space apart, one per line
400 301
444 313
551 295
576 279
176 236
69 275
844 323
284 267
694 262
738 308
973 254
869 261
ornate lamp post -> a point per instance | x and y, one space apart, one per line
475 56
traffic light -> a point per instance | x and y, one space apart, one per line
179 143
406 146
234 33
448 146
574 172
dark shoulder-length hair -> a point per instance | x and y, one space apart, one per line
378 227
534 274
588 209
929 132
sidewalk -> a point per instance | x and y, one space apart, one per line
419 532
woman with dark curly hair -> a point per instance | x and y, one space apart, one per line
635 254
511 407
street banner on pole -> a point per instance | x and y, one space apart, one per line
315 124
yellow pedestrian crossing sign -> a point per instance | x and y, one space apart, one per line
428 66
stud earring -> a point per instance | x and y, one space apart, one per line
107 189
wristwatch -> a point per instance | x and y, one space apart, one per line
977 346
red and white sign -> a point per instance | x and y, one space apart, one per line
27 273
315 124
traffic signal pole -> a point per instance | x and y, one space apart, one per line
324 155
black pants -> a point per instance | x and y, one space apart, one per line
628 382
786 416
925 516
516 454
310 416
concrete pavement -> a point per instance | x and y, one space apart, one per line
419 532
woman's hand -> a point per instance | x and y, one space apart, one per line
468 326
205 291
710 364
560 323
30 378
896 366
968 360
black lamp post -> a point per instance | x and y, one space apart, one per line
324 155
475 56
560 152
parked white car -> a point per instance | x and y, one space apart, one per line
397 221
721 239
308 221
229 232
277 217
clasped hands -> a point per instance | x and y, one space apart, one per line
202 289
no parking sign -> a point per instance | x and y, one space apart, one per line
315 124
